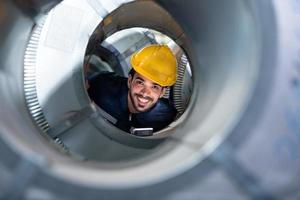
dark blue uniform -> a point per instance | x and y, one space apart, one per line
110 92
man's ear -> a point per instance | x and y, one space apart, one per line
163 92
129 80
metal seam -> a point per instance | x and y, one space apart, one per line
29 78
179 84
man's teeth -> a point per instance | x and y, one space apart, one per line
143 100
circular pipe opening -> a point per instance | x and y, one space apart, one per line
223 47
112 55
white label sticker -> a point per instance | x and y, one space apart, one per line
64 28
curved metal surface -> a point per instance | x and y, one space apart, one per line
31 96
258 157
218 97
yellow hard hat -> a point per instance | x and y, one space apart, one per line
157 63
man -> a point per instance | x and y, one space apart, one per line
136 101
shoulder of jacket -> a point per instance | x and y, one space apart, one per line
166 105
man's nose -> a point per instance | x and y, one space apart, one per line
146 90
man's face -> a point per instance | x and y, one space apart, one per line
143 93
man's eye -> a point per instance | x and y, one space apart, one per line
139 82
156 87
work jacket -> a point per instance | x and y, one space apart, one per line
110 91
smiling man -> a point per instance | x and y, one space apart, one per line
136 101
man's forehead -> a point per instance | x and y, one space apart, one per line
139 76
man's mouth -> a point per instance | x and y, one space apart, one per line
143 101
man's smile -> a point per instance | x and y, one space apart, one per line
143 101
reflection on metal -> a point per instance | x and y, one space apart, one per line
30 78
71 120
